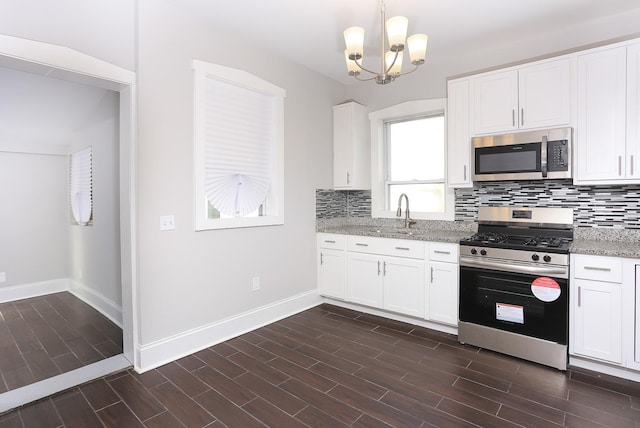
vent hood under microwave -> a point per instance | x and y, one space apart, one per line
532 155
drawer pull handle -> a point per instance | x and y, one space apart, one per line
403 248
361 245
601 269
442 252
330 242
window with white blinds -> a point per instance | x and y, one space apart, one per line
81 186
238 148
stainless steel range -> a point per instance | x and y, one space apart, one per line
514 283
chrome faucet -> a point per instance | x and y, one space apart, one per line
407 219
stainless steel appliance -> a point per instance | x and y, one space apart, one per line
531 155
514 283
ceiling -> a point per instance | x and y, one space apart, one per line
40 110
310 31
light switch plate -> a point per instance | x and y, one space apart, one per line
3 276
167 222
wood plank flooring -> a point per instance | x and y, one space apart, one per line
48 335
333 367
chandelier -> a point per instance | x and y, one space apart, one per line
391 60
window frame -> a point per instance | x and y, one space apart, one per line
379 155
275 199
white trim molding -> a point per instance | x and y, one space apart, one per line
172 348
97 301
34 289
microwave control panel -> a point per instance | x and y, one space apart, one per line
557 155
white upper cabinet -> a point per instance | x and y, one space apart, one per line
458 134
633 111
527 97
607 138
351 148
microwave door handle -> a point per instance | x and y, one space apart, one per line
543 156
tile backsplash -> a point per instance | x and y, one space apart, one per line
594 206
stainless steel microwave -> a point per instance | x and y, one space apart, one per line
531 155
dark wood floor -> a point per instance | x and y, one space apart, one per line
331 367
48 335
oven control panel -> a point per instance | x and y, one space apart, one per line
509 255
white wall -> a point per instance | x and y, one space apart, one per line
191 279
33 218
103 29
94 253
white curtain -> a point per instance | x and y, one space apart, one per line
80 185
239 134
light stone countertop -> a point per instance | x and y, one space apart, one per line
433 231
590 241
606 242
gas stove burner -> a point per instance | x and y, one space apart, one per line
489 238
545 241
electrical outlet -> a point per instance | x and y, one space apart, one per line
3 276
167 222
256 283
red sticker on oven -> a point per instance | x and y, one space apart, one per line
545 289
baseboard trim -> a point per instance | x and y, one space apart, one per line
36 391
391 315
34 289
172 348
602 367
97 301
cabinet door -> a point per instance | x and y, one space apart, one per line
351 148
403 286
633 111
495 102
597 316
343 122
600 138
332 273
545 94
458 134
442 293
364 279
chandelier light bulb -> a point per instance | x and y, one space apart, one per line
354 40
397 32
417 48
352 68
396 68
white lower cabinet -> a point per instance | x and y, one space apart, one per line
604 328
364 279
332 257
597 316
413 278
403 286
378 277
442 295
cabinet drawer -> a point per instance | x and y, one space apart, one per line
386 246
332 241
595 268
442 252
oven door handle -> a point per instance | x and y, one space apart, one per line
517 268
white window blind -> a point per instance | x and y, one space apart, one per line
238 149
239 136
81 186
